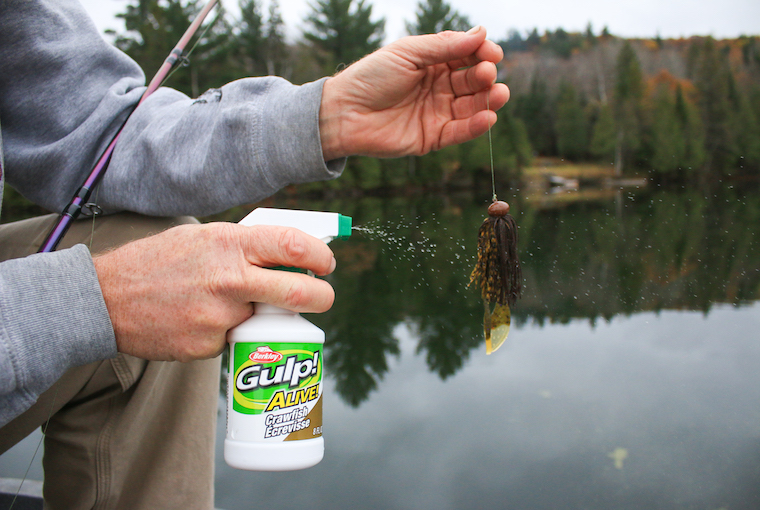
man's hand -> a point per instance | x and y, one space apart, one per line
174 296
418 94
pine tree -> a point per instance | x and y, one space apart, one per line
627 106
153 29
536 111
276 48
712 83
250 40
744 127
435 16
512 149
604 135
571 125
514 42
691 126
668 137
533 40
342 29
589 35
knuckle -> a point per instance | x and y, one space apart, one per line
293 244
222 234
223 282
296 295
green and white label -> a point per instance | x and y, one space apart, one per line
282 383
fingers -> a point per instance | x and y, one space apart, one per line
292 291
460 131
268 246
457 49
493 99
473 79
486 52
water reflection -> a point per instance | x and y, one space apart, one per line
533 427
628 382
632 251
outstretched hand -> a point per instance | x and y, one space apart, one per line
418 94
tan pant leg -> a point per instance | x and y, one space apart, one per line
125 433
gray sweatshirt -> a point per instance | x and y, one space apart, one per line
63 93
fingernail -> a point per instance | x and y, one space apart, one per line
474 30
332 265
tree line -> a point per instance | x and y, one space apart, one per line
680 110
677 110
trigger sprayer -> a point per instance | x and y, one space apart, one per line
274 388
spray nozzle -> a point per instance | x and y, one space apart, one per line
322 225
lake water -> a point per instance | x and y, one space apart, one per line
630 379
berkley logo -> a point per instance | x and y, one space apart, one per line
264 354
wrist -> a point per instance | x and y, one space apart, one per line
330 122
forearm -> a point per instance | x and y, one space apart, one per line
52 318
62 103
236 145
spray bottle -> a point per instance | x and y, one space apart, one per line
274 391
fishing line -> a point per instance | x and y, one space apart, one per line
39 443
74 207
59 230
95 212
490 146
184 60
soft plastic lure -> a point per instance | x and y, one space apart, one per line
497 273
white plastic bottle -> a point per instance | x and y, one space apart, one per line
274 391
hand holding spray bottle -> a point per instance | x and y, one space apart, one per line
274 391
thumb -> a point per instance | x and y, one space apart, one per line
456 49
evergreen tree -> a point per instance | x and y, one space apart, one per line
250 40
153 29
563 43
514 42
711 79
276 48
215 56
627 106
512 149
668 137
693 132
571 125
435 16
533 40
675 141
604 135
745 129
536 111
589 36
342 29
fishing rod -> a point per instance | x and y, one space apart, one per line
82 196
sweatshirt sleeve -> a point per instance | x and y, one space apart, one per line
52 318
64 91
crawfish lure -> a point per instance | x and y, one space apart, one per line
497 272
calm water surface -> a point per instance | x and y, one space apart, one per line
630 378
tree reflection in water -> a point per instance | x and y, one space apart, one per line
631 251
